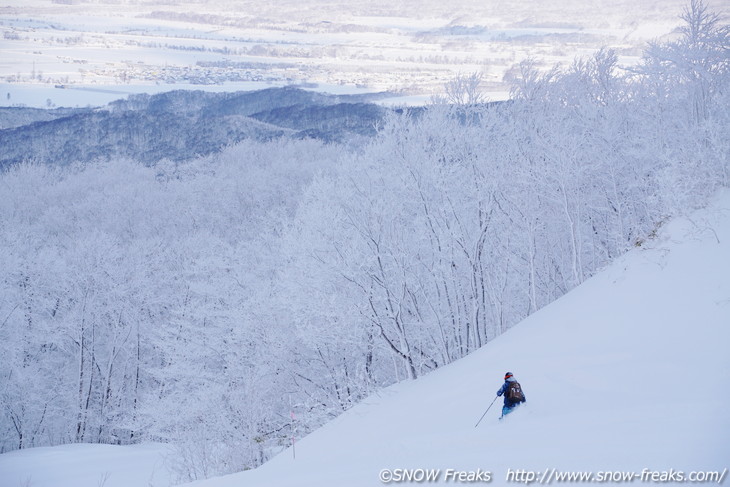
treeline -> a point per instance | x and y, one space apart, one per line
200 303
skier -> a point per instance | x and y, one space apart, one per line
513 395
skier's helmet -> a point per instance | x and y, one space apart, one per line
507 375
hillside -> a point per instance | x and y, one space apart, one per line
614 374
181 125
627 372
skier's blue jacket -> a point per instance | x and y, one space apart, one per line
502 391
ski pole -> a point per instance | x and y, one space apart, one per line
485 412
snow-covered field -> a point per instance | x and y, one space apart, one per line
88 465
410 49
627 374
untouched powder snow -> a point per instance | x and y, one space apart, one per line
629 371
85 465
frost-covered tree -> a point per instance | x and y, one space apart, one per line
202 303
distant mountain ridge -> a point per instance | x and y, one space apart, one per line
181 125
13 117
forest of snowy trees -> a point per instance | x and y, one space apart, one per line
207 303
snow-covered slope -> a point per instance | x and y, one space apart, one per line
85 465
629 371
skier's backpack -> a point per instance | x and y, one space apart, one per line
514 393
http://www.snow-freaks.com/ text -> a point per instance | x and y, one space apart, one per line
548 476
